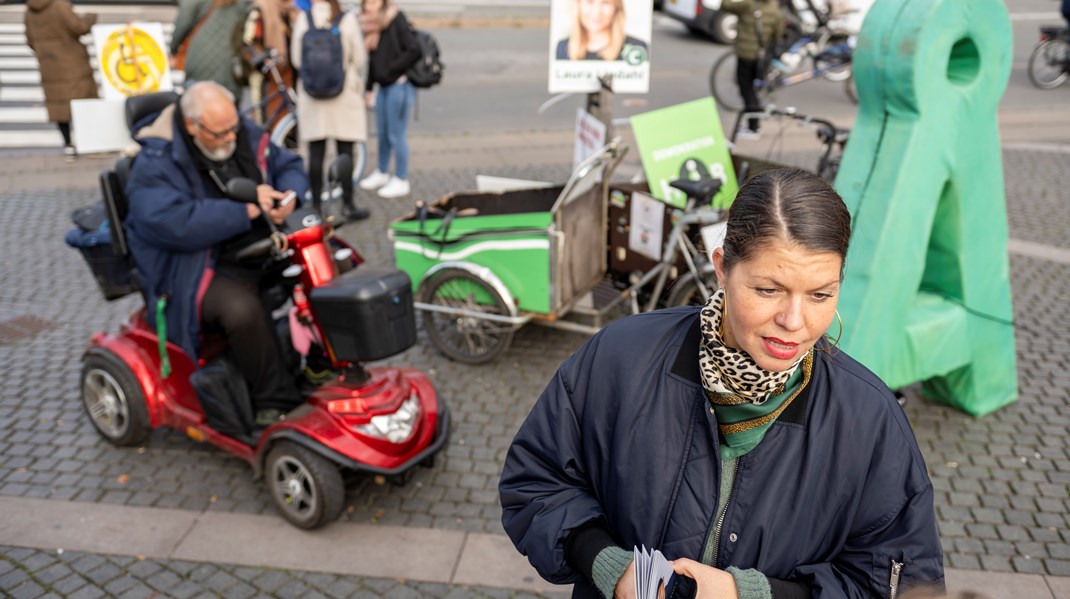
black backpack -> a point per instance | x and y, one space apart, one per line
427 72
323 71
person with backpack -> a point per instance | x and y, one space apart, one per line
393 49
328 52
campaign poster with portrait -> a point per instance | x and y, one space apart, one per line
592 38
132 59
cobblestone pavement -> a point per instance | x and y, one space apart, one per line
1002 481
32 574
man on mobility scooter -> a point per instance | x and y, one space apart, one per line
381 421
184 234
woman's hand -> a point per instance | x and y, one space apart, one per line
626 585
711 583
369 99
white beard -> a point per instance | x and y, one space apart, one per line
223 153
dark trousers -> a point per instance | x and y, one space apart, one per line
746 73
234 309
316 151
65 130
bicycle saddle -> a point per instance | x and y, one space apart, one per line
702 190
830 134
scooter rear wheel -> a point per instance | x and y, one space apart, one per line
307 489
113 399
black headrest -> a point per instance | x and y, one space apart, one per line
139 107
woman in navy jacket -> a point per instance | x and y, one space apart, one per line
761 459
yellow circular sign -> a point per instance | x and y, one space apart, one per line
133 62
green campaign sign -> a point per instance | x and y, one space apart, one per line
684 141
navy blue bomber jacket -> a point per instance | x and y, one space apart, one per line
623 434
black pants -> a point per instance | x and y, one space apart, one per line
65 130
234 309
746 73
316 150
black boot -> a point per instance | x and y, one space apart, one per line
352 213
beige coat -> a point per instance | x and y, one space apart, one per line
342 117
52 32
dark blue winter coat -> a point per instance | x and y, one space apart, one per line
835 491
175 223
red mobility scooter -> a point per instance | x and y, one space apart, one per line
379 421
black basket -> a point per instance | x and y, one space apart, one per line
113 272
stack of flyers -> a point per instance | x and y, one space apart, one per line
652 571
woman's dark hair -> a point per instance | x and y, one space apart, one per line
788 204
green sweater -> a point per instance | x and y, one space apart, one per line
209 54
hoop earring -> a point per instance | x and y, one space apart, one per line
724 317
836 342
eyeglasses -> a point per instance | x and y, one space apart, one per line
217 134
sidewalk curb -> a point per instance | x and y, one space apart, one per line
344 548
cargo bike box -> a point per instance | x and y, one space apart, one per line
484 264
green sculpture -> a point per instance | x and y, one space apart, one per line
926 295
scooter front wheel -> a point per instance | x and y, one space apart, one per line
306 488
113 399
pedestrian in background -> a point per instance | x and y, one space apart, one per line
341 118
392 50
205 38
761 25
52 32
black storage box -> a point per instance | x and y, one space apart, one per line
113 272
366 314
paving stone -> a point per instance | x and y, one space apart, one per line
27 590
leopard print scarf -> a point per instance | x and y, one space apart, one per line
729 375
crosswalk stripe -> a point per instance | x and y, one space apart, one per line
32 114
21 94
20 78
31 139
15 51
21 62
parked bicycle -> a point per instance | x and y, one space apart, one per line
823 54
832 138
284 132
1049 64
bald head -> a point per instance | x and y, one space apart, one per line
211 119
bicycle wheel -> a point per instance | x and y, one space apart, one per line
1049 64
468 338
835 57
723 84
686 292
284 134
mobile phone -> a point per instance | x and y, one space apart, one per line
289 198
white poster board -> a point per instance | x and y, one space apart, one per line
132 59
99 126
590 136
647 220
592 38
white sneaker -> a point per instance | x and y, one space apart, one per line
374 180
395 188
746 134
